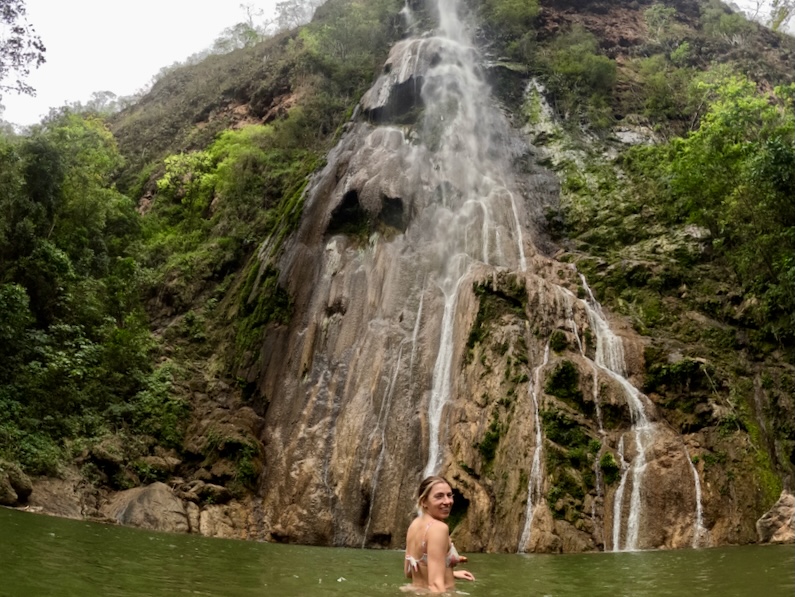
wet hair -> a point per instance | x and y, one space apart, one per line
425 489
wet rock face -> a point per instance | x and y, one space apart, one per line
430 333
778 524
397 91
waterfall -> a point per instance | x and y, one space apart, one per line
414 334
535 482
699 531
443 211
619 496
610 359
408 15
440 393
381 424
473 207
568 298
519 238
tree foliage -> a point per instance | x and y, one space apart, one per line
580 79
75 344
20 48
511 17
735 175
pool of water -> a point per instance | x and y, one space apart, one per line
45 556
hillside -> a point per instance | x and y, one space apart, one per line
235 320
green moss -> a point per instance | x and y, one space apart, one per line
239 448
715 458
563 430
610 468
263 301
468 469
565 484
564 383
491 440
558 341
685 375
507 296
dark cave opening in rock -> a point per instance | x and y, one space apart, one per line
349 217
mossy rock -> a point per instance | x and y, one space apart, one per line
564 383
15 486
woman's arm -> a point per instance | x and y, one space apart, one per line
437 544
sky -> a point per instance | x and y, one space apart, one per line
102 45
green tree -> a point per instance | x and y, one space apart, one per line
20 48
243 34
659 19
720 21
734 175
580 79
511 17
74 346
294 13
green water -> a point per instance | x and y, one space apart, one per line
44 556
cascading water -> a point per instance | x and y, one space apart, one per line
535 485
443 212
414 334
441 379
454 94
610 358
408 15
618 499
700 533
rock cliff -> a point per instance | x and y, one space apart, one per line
436 327
424 309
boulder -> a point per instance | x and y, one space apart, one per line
15 486
153 507
68 496
778 524
8 497
227 521
108 453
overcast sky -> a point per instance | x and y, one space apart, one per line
106 45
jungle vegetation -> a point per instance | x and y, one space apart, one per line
128 240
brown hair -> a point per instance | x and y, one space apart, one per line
425 489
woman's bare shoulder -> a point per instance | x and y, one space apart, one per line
438 530
414 524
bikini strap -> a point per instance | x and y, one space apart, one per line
424 536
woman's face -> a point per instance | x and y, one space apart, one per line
439 501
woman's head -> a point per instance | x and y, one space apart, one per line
435 496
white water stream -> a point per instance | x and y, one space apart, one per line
610 359
700 532
440 393
468 170
535 484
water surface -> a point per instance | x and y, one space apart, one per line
44 556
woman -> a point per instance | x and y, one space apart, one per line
430 555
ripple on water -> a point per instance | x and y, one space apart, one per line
41 556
